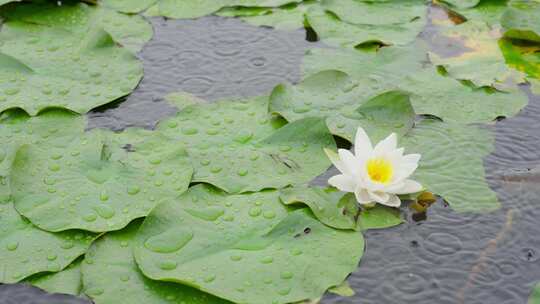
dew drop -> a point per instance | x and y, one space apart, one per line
124 277
132 190
236 258
215 169
269 214
190 131
54 167
286 275
255 211
168 265
52 257
90 217
267 260
210 278
104 211
285 291
169 241
104 196
242 172
12 246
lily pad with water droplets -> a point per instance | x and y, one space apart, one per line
67 281
238 147
452 163
483 62
246 248
405 68
129 31
521 20
17 129
44 66
111 275
288 17
350 26
95 183
27 250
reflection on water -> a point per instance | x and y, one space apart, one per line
435 257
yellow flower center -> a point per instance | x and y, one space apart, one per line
380 170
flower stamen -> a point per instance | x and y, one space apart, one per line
380 170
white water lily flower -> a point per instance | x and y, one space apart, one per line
375 175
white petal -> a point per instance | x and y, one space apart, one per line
362 196
408 186
336 161
362 144
387 145
350 163
412 158
393 201
405 170
379 196
343 182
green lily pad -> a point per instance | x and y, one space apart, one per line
452 164
96 184
521 20
183 9
17 129
27 250
534 297
237 147
463 3
45 66
340 210
287 17
347 23
111 275
130 31
245 248
525 58
389 112
67 281
405 68
327 204
483 62
488 11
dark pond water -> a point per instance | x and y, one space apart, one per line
438 257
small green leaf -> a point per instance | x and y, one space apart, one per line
521 20
534 297
258 251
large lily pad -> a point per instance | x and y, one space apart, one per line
67 281
405 68
245 248
340 210
521 20
483 62
111 275
452 164
44 66
27 250
97 184
130 31
237 147
348 23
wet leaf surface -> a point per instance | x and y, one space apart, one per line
245 248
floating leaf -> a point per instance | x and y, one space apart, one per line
93 184
463 3
489 11
27 250
67 281
452 164
389 112
128 6
237 147
521 20
348 23
327 204
483 62
111 275
44 66
130 31
432 93
340 210
287 17
252 250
